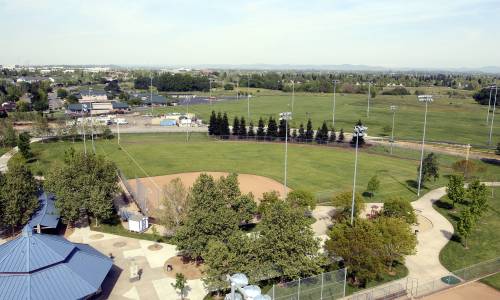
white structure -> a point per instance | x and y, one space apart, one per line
138 223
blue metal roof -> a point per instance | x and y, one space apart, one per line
47 215
41 266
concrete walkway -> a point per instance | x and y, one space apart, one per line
4 159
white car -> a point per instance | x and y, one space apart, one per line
120 121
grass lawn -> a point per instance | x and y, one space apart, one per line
484 242
3 150
323 170
449 119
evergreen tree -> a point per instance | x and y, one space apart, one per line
319 136
283 127
251 132
24 145
302 135
272 130
294 134
242 132
212 126
430 168
219 125
333 136
324 133
373 185
341 136
309 132
260 129
236 126
225 126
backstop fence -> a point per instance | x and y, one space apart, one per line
329 285
413 288
146 197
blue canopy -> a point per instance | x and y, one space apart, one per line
42 266
47 215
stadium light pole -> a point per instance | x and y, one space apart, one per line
248 98
393 109
91 124
187 113
493 114
84 110
369 95
333 106
151 93
286 116
425 99
210 91
359 130
238 89
489 105
293 94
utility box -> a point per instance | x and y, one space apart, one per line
138 223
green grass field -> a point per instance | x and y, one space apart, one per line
484 242
449 119
320 169
3 150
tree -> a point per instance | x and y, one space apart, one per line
478 199
107 134
302 135
397 207
212 125
287 241
225 126
343 206
497 150
466 167
465 224
175 205
236 126
341 136
430 168
83 184
251 131
319 136
228 87
39 100
268 198
324 133
260 129
398 240
242 131
309 131
10 136
180 284
283 130
455 189
333 136
272 129
373 185
245 207
24 145
209 218
302 199
18 196
361 248
41 126
219 126
62 93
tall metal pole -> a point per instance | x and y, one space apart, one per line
118 127
187 125
493 115
210 92
392 132
151 93
293 94
238 90
248 98
333 106
91 125
286 154
84 138
489 106
354 180
369 95
422 152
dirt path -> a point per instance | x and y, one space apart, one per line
473 290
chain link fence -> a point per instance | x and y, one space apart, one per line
329 285
147 198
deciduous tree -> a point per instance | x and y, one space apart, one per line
455 189
398 207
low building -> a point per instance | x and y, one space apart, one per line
47 216
44 266
98 108
93 96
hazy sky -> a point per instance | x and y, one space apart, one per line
403 33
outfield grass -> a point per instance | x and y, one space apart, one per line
449 119
320 169
484 242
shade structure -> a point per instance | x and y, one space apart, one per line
47 215
42 266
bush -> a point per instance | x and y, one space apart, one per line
228 87
400 208
398 91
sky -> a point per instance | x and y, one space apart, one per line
388 33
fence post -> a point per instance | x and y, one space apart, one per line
321 291
345 278
298 294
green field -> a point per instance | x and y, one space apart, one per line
3 150
320 169
484 242
449 119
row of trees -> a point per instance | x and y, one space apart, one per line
371 247
168 82
10 139
219 126
474 199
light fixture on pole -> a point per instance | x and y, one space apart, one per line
239 283
359 131
210 91
84 111
248 98
424 99
187 117
293 94
491 87
151 93
333 106
393 109
91 123
369 95
493 115
286 116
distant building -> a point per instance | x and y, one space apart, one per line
93 96
44 266
158 100
98 108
